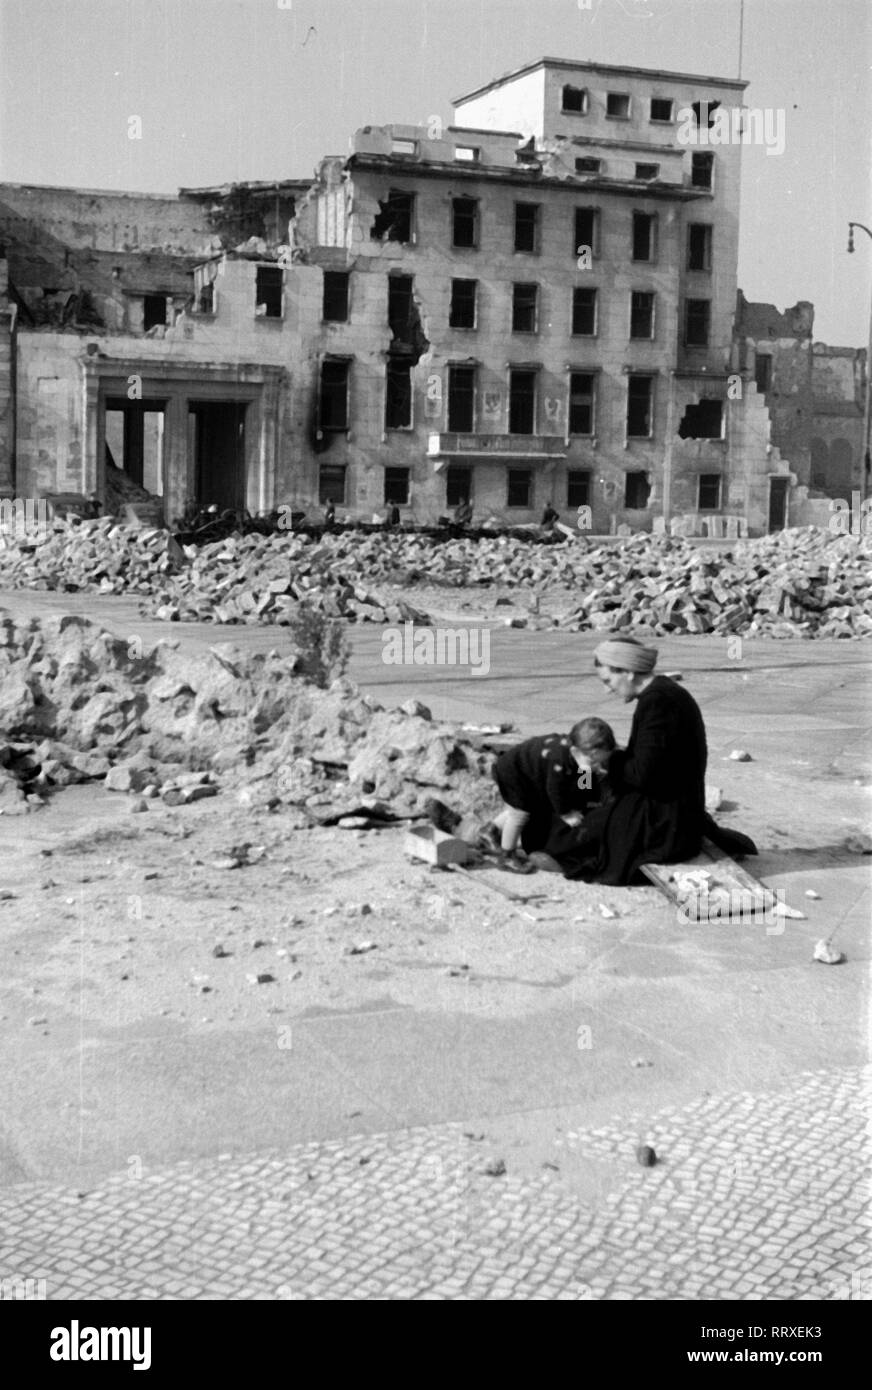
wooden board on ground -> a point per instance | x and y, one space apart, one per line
713 887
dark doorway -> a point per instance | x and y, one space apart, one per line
219 453
458 485
778 503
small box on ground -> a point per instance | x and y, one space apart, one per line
435 847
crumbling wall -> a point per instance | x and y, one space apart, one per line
111 221
786 339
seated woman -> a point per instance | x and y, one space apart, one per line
658 781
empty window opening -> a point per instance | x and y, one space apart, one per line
574 100
578 488
154 311
584 165
398 395
519 487
763 371
464 222
703 420
393 221
406 147
584 312
467 154
702 170
640 391
461 313
618 105
522 402
333 412
585 231
644 236
399 305
458 485
699 246
331 483
268 292
646 172
697 318
526 226
709 492
661 109
704 112
525 299
397 486
636 491
461 399
206 299
641 314
581 386
335 301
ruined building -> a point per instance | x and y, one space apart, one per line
535 303
814 396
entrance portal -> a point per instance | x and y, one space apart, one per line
219 453
135 440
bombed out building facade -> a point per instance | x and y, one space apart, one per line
537 303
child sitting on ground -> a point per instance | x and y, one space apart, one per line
553 775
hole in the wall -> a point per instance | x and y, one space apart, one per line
393 221
703 420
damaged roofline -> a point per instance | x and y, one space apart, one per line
251 186
578 65
574 183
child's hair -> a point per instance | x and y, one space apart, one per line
589 734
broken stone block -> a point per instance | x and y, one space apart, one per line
127 777
415 707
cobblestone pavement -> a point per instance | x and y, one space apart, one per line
755 1196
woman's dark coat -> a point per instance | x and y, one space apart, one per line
658 782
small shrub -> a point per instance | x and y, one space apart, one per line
321 644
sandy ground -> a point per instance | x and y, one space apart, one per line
118 929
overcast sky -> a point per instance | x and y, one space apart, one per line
261 89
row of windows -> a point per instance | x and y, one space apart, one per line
527 231
526 411
519 487
463 308
575 101
584 316
396 218
586 233
269 279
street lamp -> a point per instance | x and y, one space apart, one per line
867 458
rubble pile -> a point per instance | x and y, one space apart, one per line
79 704
241 579
801 583
261 579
